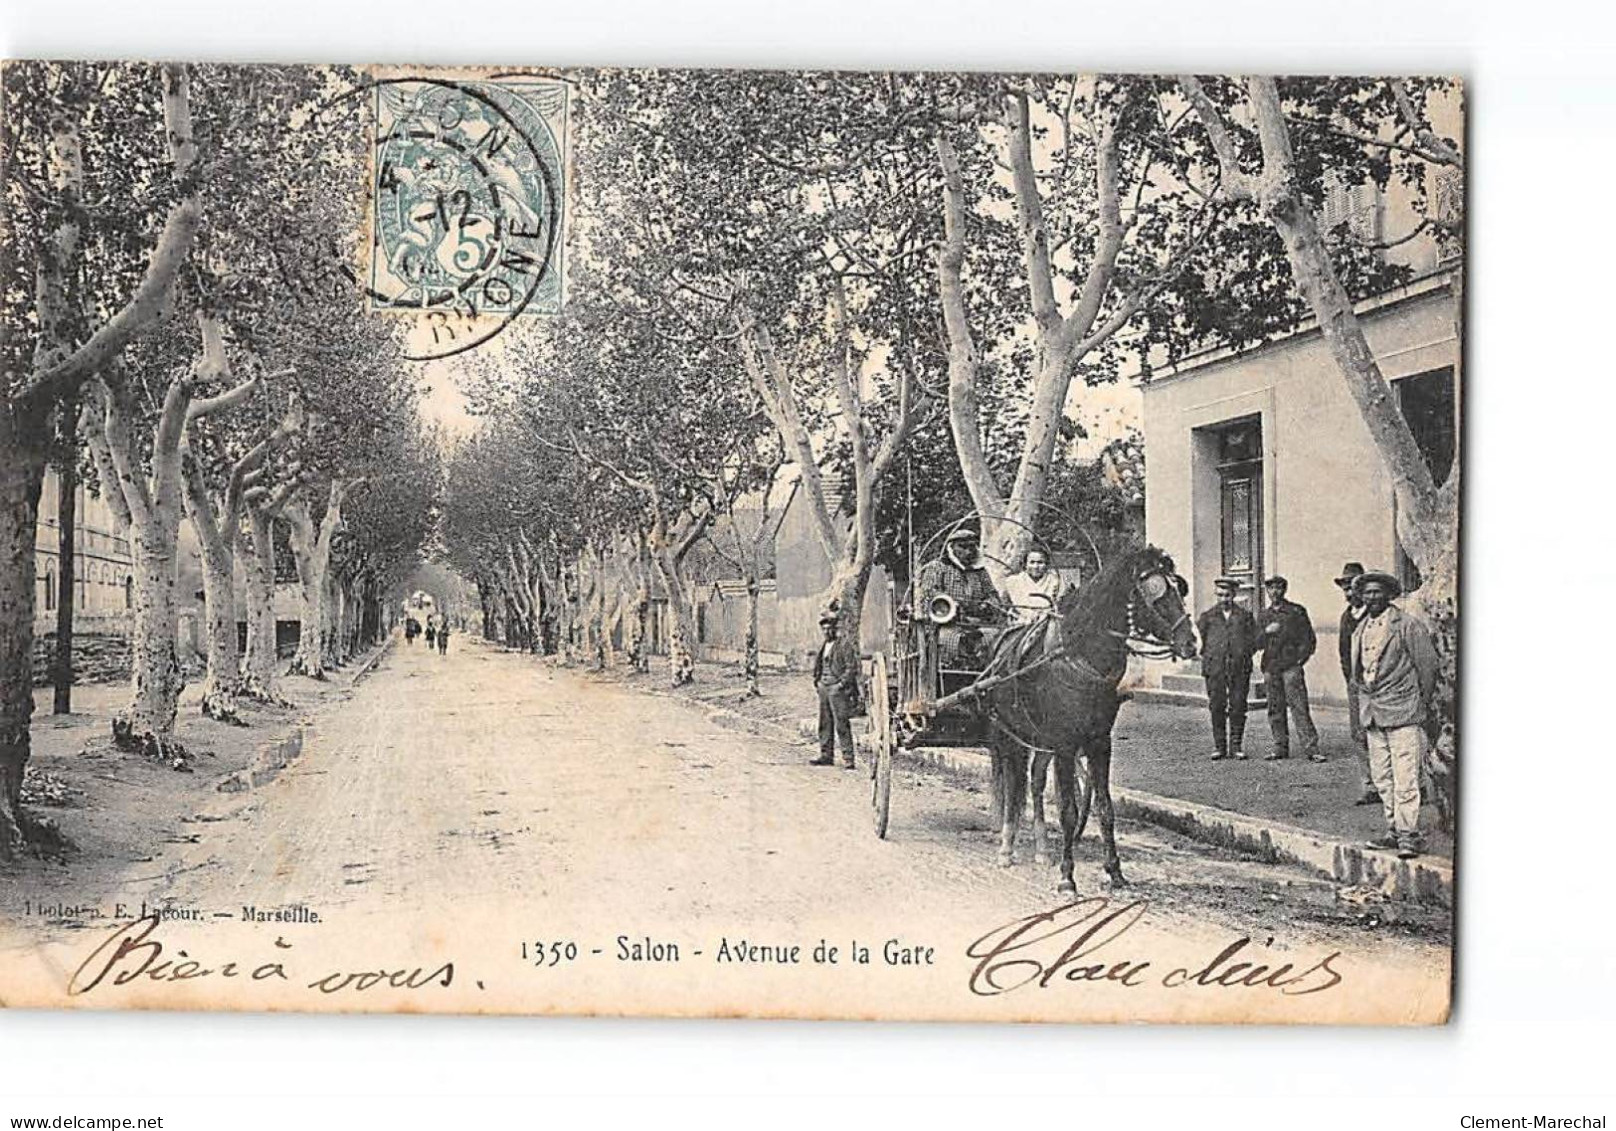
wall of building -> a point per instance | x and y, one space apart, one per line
101 565
1326 496
802 578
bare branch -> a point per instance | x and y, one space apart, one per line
1238 184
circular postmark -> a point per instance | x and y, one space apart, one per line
466 208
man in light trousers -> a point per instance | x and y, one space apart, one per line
1394 665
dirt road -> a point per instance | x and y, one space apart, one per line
489 807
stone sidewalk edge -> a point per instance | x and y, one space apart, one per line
1425 879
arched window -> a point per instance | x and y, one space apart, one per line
129 592
50 588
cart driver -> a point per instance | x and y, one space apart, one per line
959 574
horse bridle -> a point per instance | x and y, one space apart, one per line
1152 642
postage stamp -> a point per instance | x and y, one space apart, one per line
468 202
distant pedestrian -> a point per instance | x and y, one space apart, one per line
1228 638
1350 616
1394 664
443 639
1287 642
431 632
412 629
836 674
1034 591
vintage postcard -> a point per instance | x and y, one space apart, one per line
906 546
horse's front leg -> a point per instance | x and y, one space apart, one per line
1040 779
1014 768
1066 797
1099 753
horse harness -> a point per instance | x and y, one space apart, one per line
1152 643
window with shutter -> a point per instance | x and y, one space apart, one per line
1357 206
1364 218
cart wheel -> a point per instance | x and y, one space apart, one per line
885 738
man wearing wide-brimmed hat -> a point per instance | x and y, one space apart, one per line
1394 664
1350 616
1228 638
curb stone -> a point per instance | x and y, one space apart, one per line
370 663
267 763
1425 879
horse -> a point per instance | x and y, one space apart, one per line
1063 703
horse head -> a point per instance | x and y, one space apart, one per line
1156 610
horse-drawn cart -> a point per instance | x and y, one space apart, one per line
1040 691
924 694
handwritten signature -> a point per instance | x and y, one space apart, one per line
132 953
1064 944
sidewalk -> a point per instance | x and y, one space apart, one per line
115 808
1162 773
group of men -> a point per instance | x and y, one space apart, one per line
960 576
1389 664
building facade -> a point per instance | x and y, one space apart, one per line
103 570
1260 463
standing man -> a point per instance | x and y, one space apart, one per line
836 673
1394 665
1228 638
443 637
1287 641
1350 616
1034 591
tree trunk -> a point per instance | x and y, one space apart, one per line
22 470
67 477
751 662
223 682
682 626
335 629
310 657
260 679
147 725
1062 338
311 546
595 617
218 543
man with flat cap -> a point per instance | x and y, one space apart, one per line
1350 616
836 678
1228 638
1287 641
1394 664
960 575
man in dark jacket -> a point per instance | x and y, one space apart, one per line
836 676
960 575
1228 638
1287 642
1350 616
